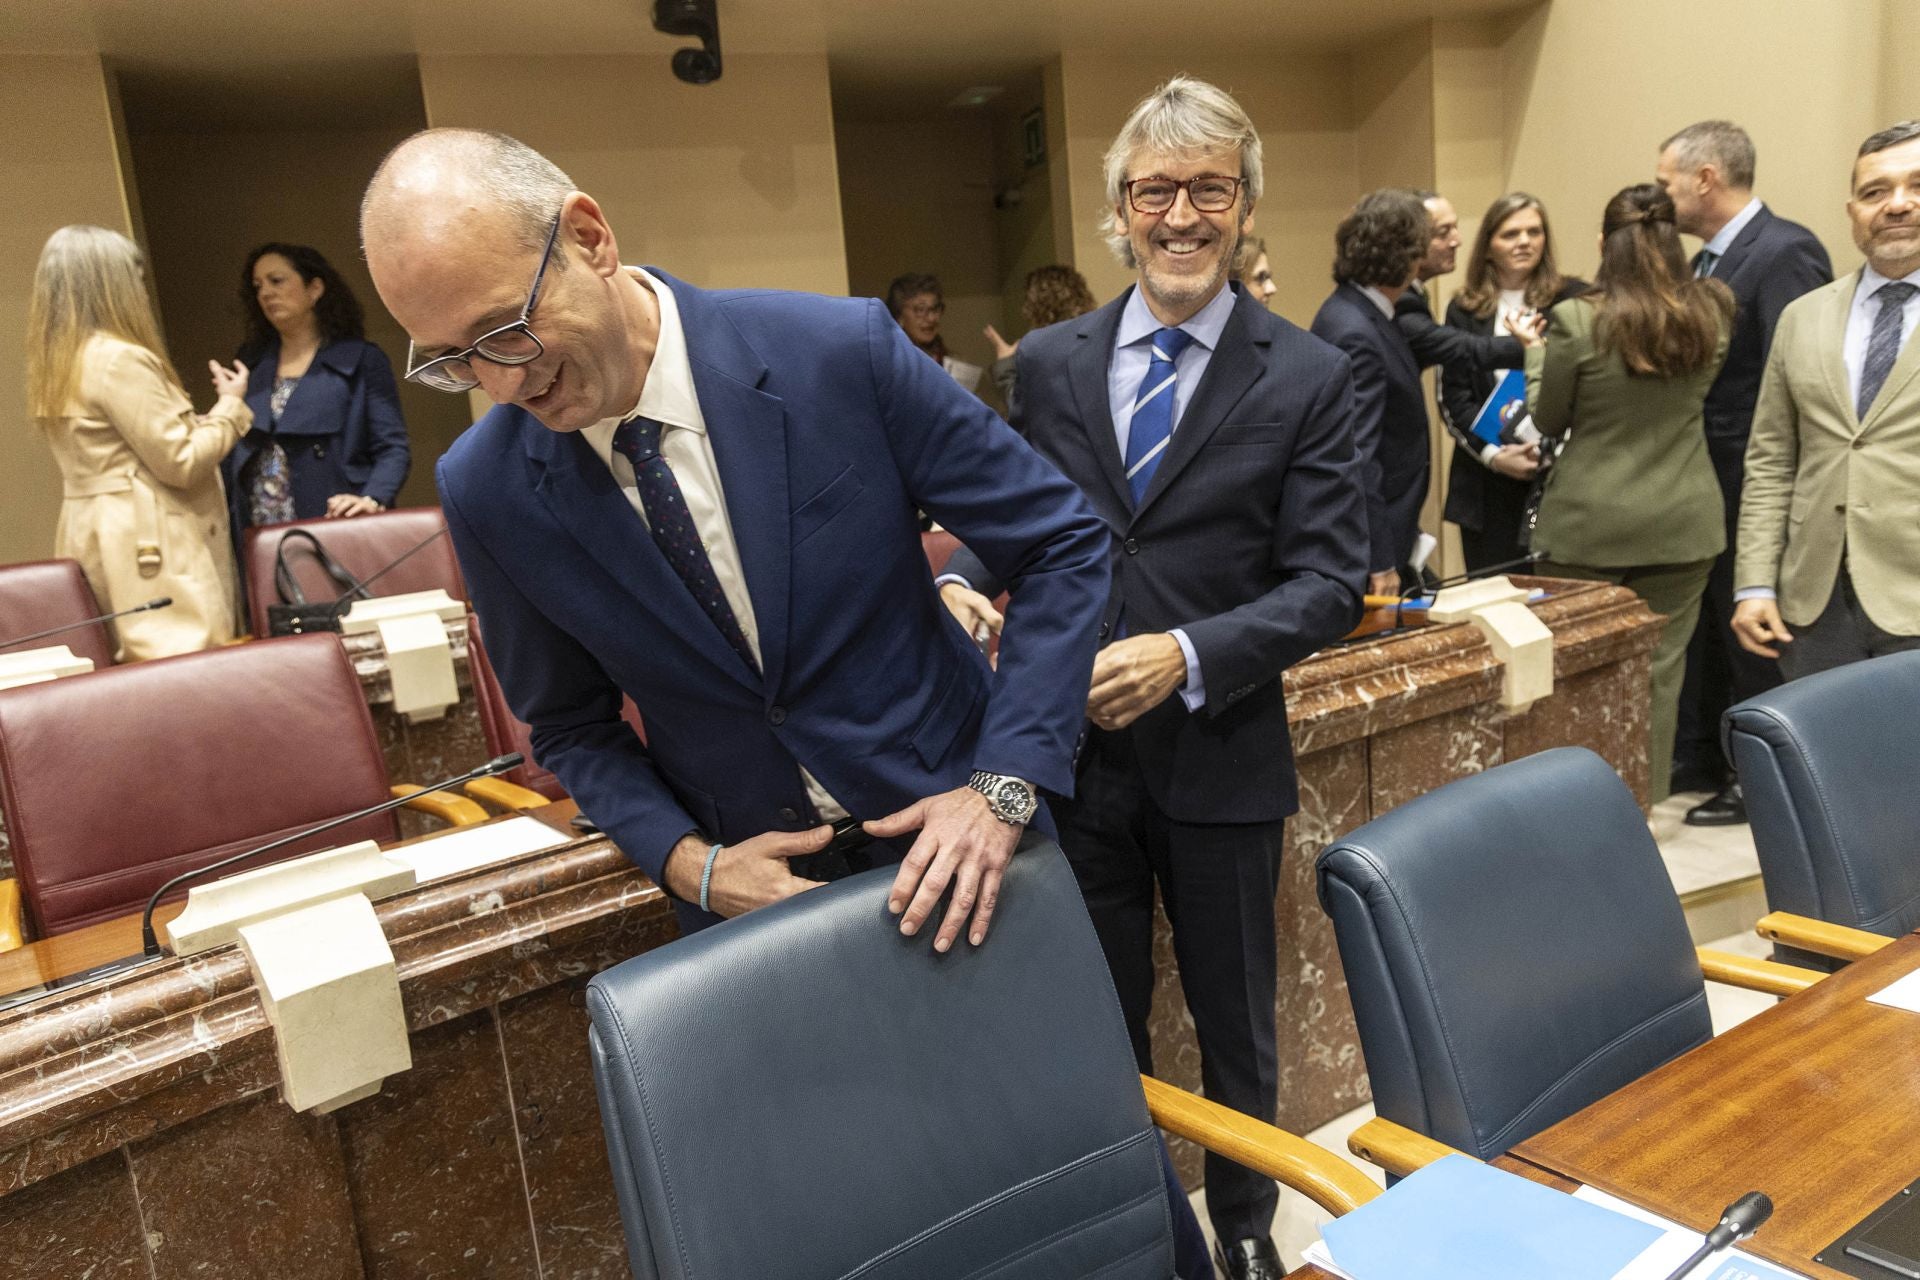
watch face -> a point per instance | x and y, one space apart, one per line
1012 798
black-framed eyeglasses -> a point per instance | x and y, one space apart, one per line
1209 193
512 343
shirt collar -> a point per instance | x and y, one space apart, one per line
1871 281
1723 239
667 396
1378 299
1138 323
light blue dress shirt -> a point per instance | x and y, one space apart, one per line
1723 238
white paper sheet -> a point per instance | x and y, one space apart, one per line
468 848
1674 1248
1902 994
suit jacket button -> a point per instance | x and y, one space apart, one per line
1859 444
789 814
1840 508
776 716
1131 546
1104 628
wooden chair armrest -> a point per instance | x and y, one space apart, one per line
1754 975
505 795
1838 941
12 935
455 811
1396 1148
1321 1176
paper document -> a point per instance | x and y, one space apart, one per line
1904 994
1676 1246
967 375
467 848
1458 1219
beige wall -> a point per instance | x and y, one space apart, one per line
1393 112
917 195
728 184
1300 105
210 197
60 166
1023 224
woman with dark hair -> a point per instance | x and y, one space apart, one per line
1054 293
1632 497
1377 249
916 303
1510 276
327 438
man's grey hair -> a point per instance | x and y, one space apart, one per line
1182 115
502 171
1720 143
1891 136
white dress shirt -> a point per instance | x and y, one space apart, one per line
668 398
1860 318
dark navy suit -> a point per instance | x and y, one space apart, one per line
342 430
1769 264
1389 419
1252 539
829 429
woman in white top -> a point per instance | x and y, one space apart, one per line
145 513
1510 276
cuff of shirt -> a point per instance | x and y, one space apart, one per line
1194 691
1486 455
945 578
1755 593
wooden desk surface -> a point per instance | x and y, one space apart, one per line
1815 1102
110 940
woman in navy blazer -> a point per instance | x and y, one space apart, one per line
327 437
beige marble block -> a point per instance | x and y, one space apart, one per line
419 651
215 913
31 666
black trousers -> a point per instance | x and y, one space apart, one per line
1719 672
1217 884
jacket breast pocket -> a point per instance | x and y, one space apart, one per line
818 511
1269 434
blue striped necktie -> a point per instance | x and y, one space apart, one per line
1883 344
1152 425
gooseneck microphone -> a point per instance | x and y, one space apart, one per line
1737 1221
161 602
150 944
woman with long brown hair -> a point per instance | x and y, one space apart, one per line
1511 276
145 513
1632 497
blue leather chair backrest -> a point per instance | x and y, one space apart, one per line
1827 764
804 1093
1514 950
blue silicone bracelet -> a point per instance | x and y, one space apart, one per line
706 877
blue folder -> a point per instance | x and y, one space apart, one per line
1489 423
1458 1219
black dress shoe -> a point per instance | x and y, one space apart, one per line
1251 1259
1727 807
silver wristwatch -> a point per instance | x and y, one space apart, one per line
1011 799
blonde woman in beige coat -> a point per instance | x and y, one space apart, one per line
145 513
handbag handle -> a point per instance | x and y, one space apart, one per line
283 579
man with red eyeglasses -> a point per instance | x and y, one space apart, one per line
1216 441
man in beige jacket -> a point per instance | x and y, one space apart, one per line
1828 570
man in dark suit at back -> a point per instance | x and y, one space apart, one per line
1377 249
1215 439
1707 169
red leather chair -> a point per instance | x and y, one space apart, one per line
528 786
114 783
51 593
363 545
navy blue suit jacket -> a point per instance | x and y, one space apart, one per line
342 431
1769 264
1251 538
1389 420
828 429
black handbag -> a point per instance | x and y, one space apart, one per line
296 615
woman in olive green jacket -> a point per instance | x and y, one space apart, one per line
1632 497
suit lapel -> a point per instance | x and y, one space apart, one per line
1832 335
1235 366
583 496
1087 367
1902 373
1742 244
748 430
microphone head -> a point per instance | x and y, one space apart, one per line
158 602
1746 1214
500 764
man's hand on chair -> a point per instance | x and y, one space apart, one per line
961 844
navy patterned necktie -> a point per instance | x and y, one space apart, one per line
1152 425
1703 263
674 531
1883 346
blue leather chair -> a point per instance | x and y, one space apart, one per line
802 1092
1827 766
1514 951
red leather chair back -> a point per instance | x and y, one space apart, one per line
116 782
364 545
940 546
50 593
504 732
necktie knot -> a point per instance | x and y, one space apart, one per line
638 438
1169 343
1703 263
1895 294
